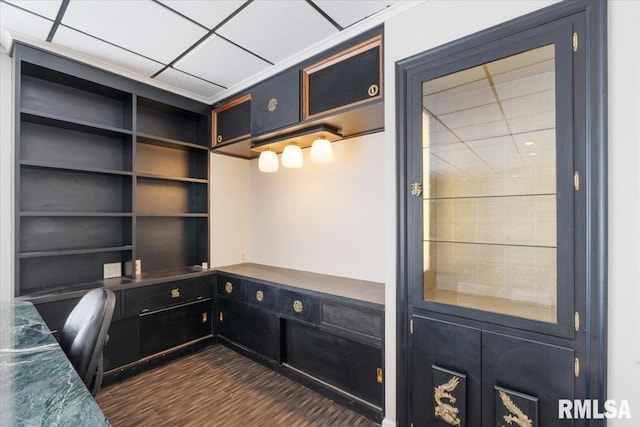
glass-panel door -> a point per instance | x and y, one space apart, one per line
489 173
492 185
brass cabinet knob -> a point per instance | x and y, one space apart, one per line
175 293
373 90
219 138
297 306
228 287
272 105
259 296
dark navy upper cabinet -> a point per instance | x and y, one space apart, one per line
232 121
275 103
348 78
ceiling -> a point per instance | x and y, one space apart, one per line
203 49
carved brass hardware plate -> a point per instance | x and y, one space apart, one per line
204 317
228 287
297 306
416 189
259 296
373 90
515 409
379 375
449 395
175 293
272 105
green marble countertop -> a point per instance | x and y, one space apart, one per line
38 384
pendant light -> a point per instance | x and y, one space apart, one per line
321 152
268 161
292 156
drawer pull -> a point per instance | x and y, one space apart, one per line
259 296
272 105
228 287
379 375
204 317
221 317
297 306
175 293
373 90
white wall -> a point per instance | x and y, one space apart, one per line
624 205
325 219
6 177
229 207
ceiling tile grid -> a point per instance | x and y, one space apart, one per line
199 47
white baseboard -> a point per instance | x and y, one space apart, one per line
388 423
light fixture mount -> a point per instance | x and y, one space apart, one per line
302 137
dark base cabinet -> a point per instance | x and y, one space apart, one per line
346 364
124 343
331 345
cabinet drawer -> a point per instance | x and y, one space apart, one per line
229 287
354 320
295 305
232 121
149 298
275 103
262 296
204 287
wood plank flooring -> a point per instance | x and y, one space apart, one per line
219 387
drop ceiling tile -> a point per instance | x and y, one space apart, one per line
98 49
546 120
482 130
19 21
521 59
451 80
460 97
189 83
207 13
141 26
348 12
47 8
529 104
472 116
220 62
277 29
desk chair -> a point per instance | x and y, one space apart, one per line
84 335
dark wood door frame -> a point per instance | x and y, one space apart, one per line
595 185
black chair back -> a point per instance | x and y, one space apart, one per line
85 334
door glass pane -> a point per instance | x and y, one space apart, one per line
489 179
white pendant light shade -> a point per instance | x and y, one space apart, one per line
268 162
321 152
292 156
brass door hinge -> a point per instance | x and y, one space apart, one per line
575 42
379 375
576 321
576 367
411 326
576 180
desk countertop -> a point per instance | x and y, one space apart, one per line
38 384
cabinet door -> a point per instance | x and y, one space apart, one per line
346 79
348 365
171 327
124 343
232 121
445 365
230 320
275 103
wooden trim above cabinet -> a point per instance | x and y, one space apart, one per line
373 43
214 121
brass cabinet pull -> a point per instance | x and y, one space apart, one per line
379 375
204 317
175 293
221 317
228 287
259 296
297 306
373 90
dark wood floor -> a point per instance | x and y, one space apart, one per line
218 387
